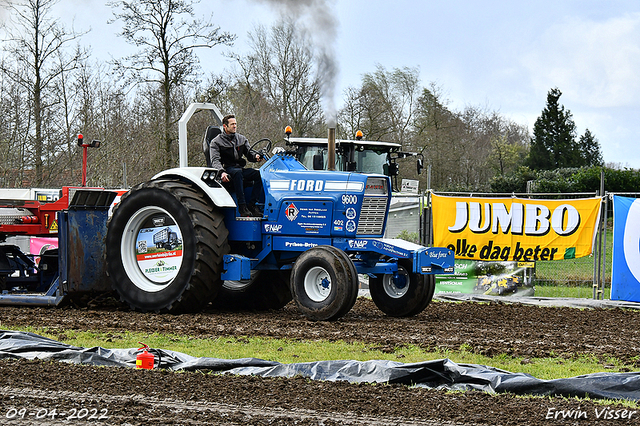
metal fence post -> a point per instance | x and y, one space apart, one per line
604 245
426 235
598 270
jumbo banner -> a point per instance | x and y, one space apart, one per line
625 271
517 229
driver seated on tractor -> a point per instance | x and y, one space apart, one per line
226 152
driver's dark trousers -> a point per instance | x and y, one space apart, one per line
241 175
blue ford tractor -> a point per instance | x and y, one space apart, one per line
319 232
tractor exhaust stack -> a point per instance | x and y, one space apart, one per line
331 154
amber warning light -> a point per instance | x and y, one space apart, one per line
287 131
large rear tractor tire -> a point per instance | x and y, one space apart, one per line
264 291
402 294
323 283
149 277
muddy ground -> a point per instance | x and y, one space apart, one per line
134 397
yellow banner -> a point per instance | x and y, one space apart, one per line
518 229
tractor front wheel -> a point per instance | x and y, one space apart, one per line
323 283
402 294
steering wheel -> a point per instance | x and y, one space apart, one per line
265 147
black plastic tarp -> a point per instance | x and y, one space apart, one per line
437 374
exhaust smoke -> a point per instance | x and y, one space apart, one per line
315 17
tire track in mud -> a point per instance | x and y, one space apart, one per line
154 410
201 398
485 328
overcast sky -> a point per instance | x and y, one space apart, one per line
500 55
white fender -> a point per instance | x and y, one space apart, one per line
219 196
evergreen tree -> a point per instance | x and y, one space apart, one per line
590 149
554 137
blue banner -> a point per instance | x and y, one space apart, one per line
625 272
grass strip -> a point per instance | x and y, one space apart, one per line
577 292
285 351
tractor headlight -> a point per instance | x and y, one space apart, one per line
209 177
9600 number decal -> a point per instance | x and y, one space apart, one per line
349 199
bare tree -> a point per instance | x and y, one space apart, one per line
365 110
351 117
14 125
509 148
167 34
437 130
384 106
279 75
466 148
37 44
102 111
